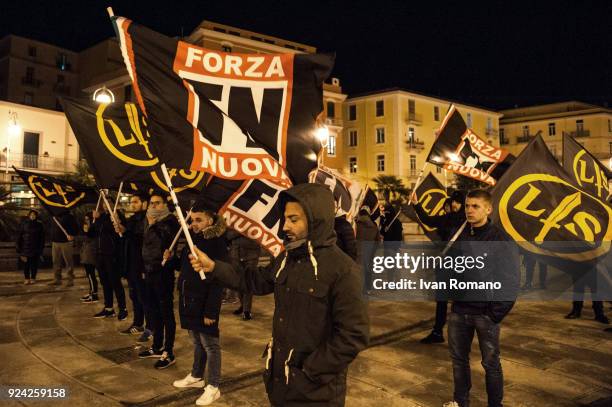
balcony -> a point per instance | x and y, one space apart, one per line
332 121
503 141
38 162
413 118
525 138
578 133
28 81
490 131
417 145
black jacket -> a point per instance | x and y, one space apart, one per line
320 319
106 239
501 265
132 241
31 238
69 223
345 236
444 224
157 238
243 252
202 298
391 229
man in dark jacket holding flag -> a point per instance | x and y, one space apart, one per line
481 313
320 319
62 247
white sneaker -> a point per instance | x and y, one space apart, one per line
211 393
451 404
189 381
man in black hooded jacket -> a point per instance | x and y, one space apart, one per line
320 319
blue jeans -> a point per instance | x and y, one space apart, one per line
206 353
460 335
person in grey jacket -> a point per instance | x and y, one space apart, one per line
320 319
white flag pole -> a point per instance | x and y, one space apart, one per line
110 211
455 236
176 238
110 12
97 205
182 221
117 199
61 227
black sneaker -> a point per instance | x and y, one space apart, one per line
132 330
165 360
433 337
602 318
91 299
150 353
247 316
105 313
123 314
573 315
85 297
237 311
145 337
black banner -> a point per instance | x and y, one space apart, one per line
236 116
431 195
587 171
55 195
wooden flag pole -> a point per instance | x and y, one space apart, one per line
176 238
455 236
182 221
62 228
110 211
118 195
97 205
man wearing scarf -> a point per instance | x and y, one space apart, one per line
160 228
320 319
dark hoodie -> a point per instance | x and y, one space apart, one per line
320 319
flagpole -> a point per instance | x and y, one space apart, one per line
117 199
418 181
110 211
61 227
182 221
455 236
97 205
176 238
110 12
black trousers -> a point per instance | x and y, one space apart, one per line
110 277
441 310
160 300
90 272
581 282
30 267
137 291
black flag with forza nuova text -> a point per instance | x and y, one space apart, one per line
431 195
236 116
458 149
347 192
588 172
540 206
56 195
116 143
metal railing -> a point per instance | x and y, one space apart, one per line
333 121
504 141
38 162
415 144
579 133
524 138
414 118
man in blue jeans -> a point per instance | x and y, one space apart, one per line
482 315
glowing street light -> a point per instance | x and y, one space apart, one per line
323 136
104 95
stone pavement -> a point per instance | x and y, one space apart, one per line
47 337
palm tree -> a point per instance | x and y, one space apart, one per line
392 189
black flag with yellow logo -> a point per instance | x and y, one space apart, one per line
458 149
431 195
56 195
588 172
117 146
236 116
542 208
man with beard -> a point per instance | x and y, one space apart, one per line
320 319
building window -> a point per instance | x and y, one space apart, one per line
438 169
413 165
352 165
62 62
552 129
489 124
29 75
526 131
58 105
60 78
331 110
502 133
226 48
411 134
436 113
353 138
579 126
380 108
609 126
331 146
411 107
353 112
28 98
610 146
32 51
469 119
380 135
380 163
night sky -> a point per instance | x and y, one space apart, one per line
496 54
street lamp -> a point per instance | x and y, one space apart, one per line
13 129
322 134
103 95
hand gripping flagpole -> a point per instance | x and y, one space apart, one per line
97 205
176 238
110 210
117 199
182 220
